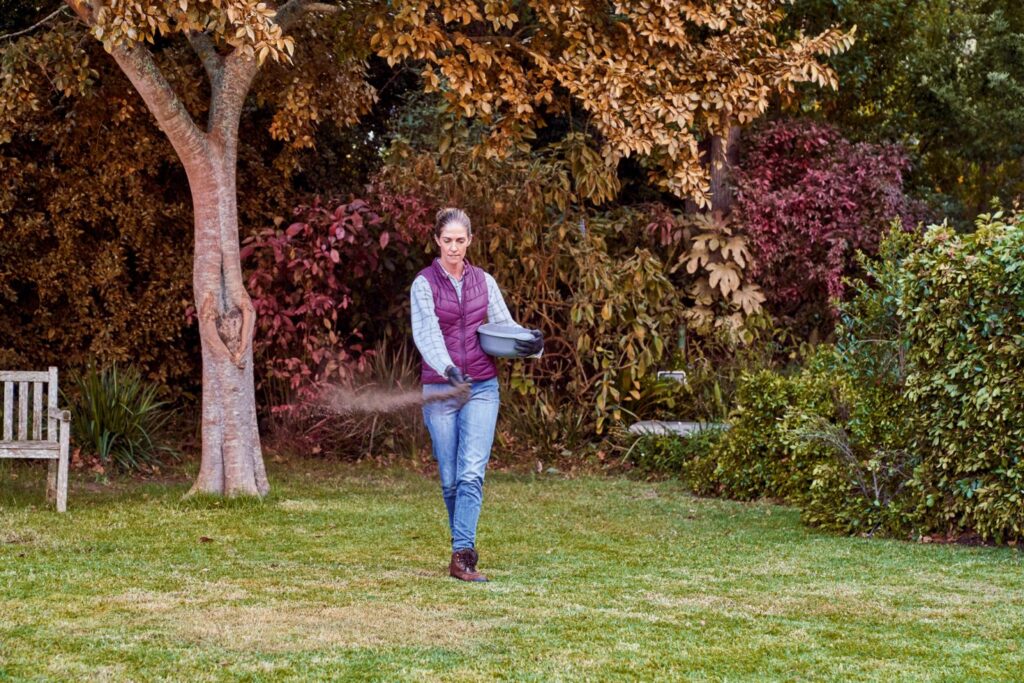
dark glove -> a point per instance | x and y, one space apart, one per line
456 378
531 347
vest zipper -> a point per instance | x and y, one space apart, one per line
462 314
462 323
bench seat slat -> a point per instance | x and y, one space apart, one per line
31 445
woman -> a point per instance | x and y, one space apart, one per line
450 299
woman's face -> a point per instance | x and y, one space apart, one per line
453 241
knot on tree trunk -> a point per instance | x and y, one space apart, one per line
228 332
229 327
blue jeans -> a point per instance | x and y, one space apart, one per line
461 434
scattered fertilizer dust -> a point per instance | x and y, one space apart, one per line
346 400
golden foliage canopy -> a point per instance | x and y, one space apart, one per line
654 78
642 77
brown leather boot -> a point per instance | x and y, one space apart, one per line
463 565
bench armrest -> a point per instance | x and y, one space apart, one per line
62 415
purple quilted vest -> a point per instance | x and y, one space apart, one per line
459 322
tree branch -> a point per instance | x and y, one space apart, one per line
170 112
83 9
171 115
228 95
34 26
213 62
293 10
322 7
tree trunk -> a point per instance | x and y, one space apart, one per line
723 156
720 155
232 460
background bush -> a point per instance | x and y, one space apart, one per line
809 200
610 289
373 413
962 306
317 283
910 423
688 457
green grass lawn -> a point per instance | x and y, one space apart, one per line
342 574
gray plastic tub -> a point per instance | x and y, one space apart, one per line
500 340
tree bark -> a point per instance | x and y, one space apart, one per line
720 155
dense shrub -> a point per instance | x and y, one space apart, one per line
96 220
754 458
911 423
316 282
855 457
544 426
833 438
862 479
858 483
374 413
963 307
809 200
818 439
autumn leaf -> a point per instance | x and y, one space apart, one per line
725 276
735 248
748 297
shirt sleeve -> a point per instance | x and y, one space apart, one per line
426 330
497 311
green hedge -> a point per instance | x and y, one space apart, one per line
913 422
963 307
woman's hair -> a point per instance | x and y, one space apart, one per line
448 215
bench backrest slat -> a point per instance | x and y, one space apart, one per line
51 402
8 410
22 411
37 411
24 376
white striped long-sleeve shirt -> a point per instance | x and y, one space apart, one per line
426 330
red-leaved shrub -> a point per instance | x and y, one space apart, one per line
809 200
319 282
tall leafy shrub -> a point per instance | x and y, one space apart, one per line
755 458
317 282
963 307
911 423
862 482
809 200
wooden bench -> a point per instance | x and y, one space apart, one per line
24 436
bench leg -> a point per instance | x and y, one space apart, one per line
51 482
62 483
62 467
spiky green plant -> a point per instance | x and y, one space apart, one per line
119 416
